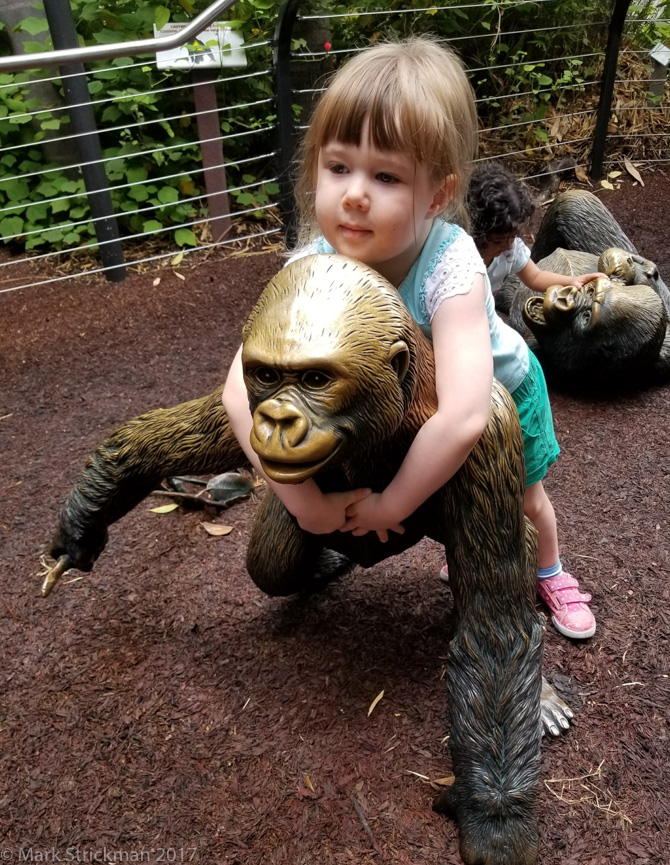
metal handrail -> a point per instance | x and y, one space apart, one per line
41 59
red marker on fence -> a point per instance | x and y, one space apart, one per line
327 46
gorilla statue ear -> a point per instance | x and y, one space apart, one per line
533 313
399 359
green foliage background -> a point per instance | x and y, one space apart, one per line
154 169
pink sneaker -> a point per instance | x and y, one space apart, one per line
568 606
444 574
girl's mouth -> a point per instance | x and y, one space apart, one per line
354 231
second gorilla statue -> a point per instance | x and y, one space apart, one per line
340 379
613 333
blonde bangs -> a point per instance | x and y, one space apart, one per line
414 97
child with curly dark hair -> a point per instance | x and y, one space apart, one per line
500 207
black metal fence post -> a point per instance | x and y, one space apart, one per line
87 142
617 22
282 74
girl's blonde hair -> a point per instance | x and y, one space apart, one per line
417 100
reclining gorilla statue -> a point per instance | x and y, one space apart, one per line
612 333
340 379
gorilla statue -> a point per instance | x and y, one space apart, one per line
611 334
340 379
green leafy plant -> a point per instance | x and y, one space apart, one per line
153 163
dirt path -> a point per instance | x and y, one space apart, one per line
162 706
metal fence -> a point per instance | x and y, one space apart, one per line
118 156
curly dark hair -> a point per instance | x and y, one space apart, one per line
498 203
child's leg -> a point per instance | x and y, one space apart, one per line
540 511
559 590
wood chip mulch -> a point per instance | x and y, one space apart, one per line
162 709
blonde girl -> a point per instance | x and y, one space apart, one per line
385 165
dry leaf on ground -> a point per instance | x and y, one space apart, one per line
216 530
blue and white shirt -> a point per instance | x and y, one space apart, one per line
447 266
512 260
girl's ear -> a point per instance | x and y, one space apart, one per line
443 195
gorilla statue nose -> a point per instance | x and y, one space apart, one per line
281 423
562 297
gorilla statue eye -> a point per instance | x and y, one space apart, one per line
266 376
314 379
584 317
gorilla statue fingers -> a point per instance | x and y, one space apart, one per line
613 333
340 379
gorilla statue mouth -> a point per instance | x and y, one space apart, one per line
285 472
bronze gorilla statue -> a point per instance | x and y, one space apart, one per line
611 334
340 379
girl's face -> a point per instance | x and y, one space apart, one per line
377 205
495 245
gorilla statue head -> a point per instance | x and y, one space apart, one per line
605 335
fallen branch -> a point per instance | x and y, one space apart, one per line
366 827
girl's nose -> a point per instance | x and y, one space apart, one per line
356 194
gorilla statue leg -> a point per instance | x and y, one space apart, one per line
494 665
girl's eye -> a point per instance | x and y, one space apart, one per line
387 178
337 168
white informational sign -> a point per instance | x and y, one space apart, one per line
213 48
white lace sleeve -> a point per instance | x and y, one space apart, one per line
454 273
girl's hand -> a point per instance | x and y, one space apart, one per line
328 513
370 515
581 281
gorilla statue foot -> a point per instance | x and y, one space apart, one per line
508 837
555 713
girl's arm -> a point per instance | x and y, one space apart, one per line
463 375
540 280
315 512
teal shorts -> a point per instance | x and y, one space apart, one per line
540 447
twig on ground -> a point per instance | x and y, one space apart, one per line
366 827
582 790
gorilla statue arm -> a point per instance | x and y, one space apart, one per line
340 379
192 437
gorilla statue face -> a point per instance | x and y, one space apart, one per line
601 331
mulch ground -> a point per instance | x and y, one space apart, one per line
162 709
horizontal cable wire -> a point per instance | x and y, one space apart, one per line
60 168
135 154
483 99
148 209
639 161
96 244
539 64
73 136
536 121
639 135
136 96
622 108
472 37
552 144
430 9
151 61
136 262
